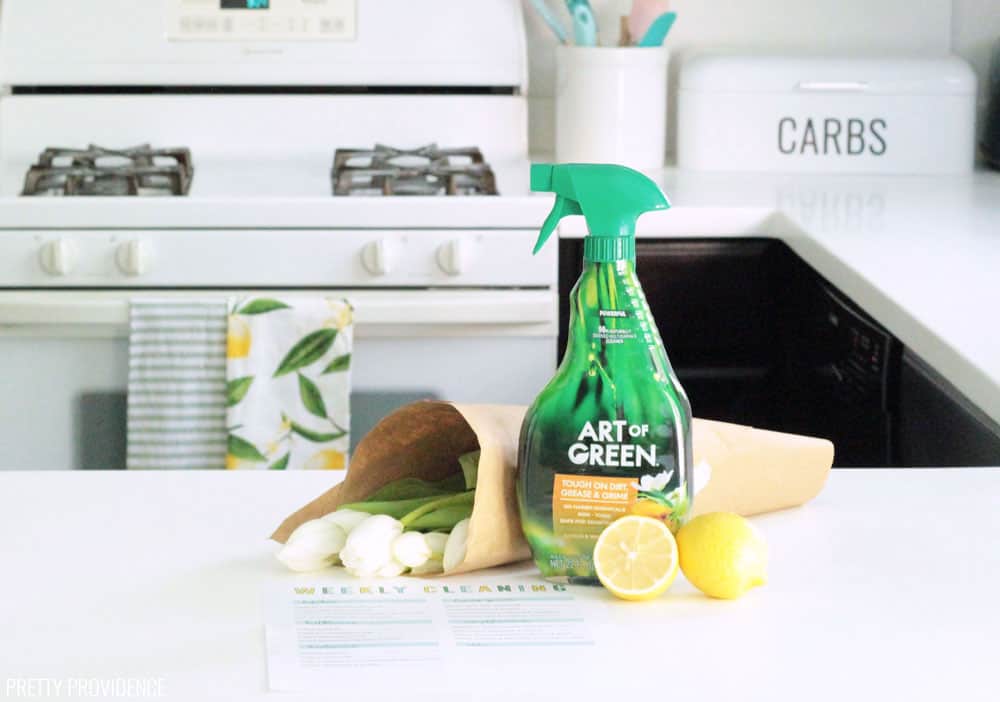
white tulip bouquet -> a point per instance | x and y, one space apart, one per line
408 526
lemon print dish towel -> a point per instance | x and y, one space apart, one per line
288 383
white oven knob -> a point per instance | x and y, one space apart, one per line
58 257
134 257
454 257
379 257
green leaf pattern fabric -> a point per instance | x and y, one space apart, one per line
288 383
237 389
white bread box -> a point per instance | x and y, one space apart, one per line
768 113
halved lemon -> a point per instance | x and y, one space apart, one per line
636 558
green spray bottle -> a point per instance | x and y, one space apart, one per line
610 434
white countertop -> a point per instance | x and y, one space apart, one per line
884 587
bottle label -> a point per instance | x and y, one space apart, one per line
608 444
613 334
582 505
622 472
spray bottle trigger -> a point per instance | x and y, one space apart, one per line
562 208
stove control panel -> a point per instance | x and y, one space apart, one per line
261 20
276 258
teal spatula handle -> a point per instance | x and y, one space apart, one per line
584 24
549 17
658 30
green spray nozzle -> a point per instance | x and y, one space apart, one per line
610 197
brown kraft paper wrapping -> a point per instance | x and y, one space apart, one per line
753 470
424 440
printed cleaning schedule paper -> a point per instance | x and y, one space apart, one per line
319 633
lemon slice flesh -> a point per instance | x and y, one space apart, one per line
636 558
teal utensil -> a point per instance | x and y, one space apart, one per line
642 15
584 24
658 30
545 12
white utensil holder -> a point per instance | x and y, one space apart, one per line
611 105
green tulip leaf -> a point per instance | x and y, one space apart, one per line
316 436
244 450
408 488
445 518
262 305
470 468
312 398
453 483
340 363
281 463
308 350
461 499
394 508
237 389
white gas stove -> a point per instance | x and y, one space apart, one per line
376 150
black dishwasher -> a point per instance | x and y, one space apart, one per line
937 425
840 371
758 337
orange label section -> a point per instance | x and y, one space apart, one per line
582 505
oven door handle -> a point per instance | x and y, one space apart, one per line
378 313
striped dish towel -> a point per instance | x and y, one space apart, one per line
177 384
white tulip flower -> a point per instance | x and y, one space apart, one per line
391 569
300 558
359 572
436 541
314 545
454 550
323 534
346 519
431 566
369 545
411 549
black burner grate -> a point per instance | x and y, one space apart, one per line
428 170
97 171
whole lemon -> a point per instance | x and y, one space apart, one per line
722 555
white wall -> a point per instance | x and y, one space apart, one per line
817 25
975 35
969 28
